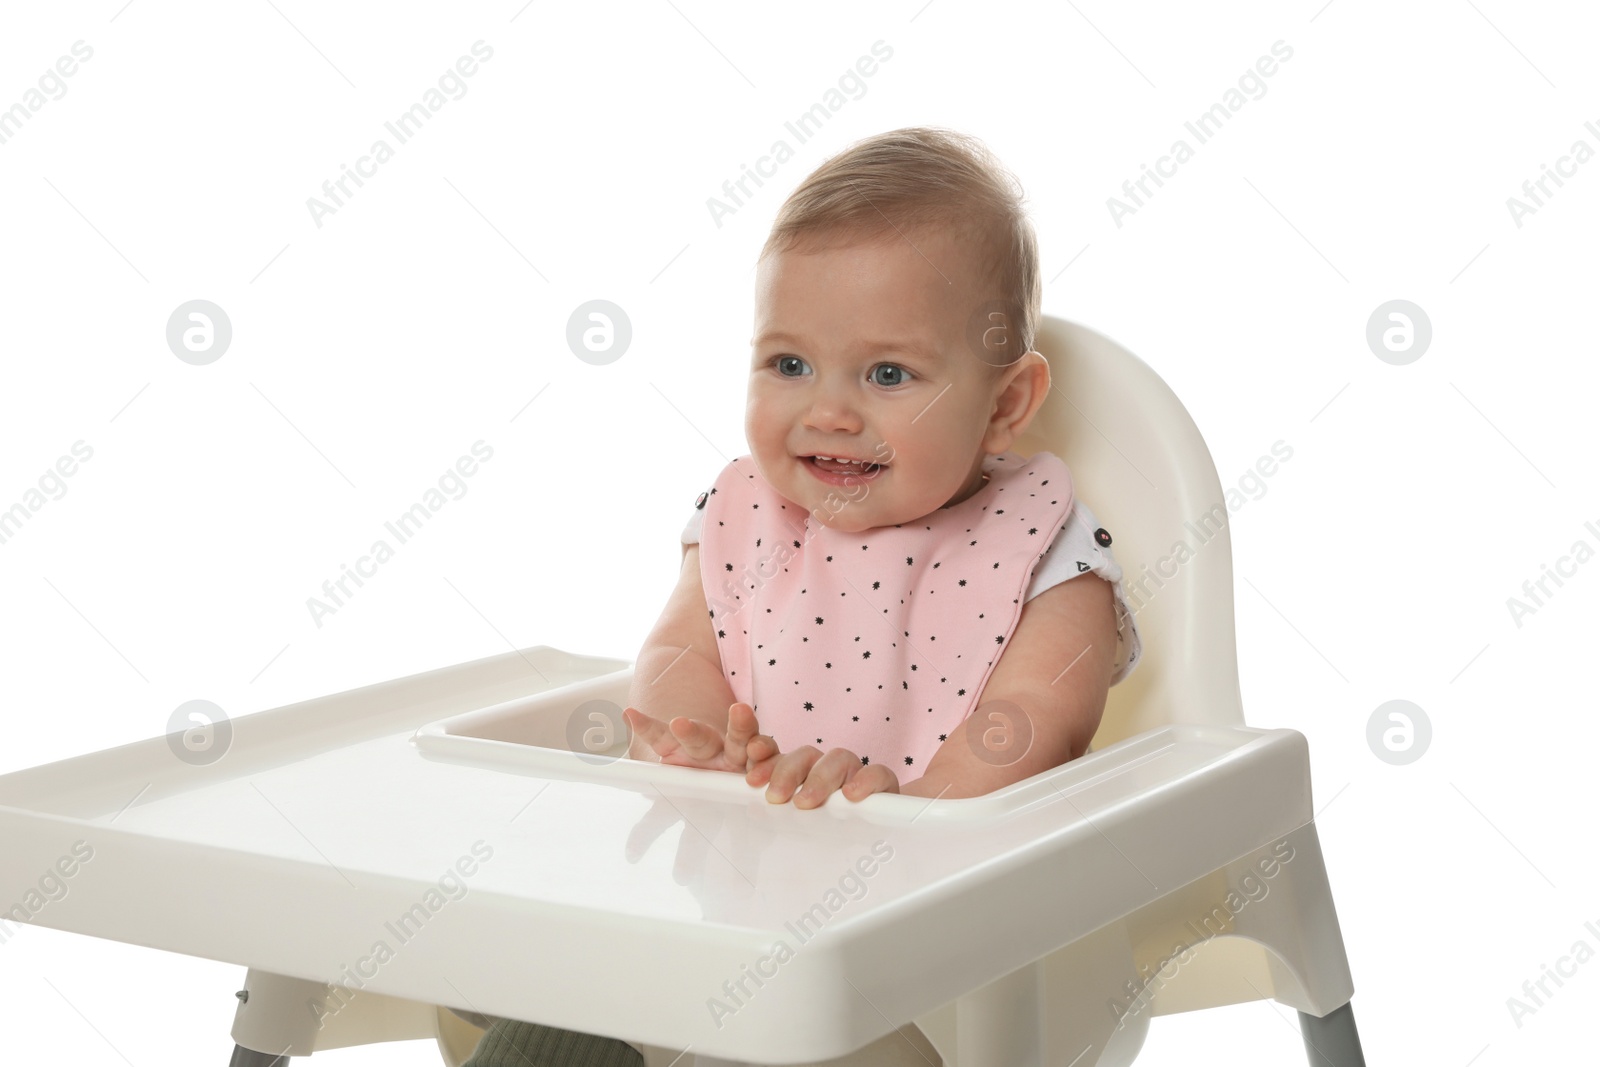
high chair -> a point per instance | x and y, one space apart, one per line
1173 867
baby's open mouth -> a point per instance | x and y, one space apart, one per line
839 465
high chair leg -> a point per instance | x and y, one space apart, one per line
1331 1041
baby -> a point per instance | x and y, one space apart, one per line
881 565
879 597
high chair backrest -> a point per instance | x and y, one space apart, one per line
1138 461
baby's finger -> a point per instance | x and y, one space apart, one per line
873 778
652 730
698 740
825 775
742 724
761 755
789 770
741 728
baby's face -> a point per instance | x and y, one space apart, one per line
861 352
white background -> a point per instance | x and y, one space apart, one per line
429 312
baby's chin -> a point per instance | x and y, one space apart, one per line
842 521
837 523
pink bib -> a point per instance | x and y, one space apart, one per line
881 641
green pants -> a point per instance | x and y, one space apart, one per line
514 1043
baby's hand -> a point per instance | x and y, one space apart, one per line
686 742
840 769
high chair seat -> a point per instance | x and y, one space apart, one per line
473 837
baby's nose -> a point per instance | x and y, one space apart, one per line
829 411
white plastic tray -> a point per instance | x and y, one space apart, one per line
619 889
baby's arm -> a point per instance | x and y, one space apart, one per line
679 669
1042 704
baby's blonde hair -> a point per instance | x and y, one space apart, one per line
919 178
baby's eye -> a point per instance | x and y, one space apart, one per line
782 361
898 370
